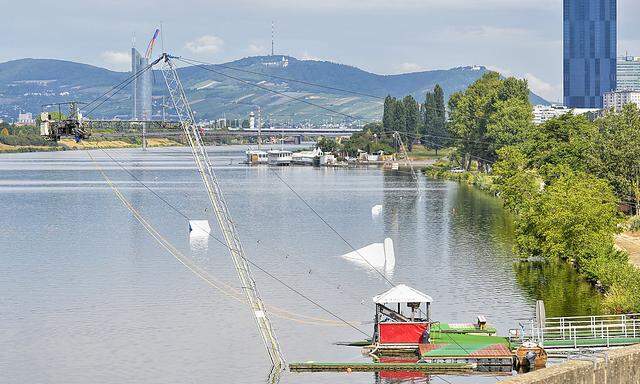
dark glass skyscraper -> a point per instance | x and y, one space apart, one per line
590 37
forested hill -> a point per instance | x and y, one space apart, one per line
29 83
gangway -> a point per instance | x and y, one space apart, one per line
573 333
227 227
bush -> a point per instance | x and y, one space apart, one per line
24 140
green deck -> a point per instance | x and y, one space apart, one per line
452 344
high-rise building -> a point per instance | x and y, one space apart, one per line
590 46
141 87
628 73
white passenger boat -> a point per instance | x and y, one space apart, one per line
279 157
306 157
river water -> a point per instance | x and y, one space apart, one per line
87 295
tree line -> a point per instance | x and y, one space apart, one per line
566 180
415 122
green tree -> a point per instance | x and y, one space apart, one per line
490 114
412 121
619 153
388 116
518 186
575 217
434 120
568 140
328 145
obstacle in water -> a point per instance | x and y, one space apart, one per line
199 228
376 210
380 256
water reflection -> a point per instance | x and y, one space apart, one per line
561 287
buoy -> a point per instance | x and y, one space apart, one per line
376 210
348 370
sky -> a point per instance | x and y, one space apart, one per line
516 37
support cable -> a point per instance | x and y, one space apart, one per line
200 274
284 94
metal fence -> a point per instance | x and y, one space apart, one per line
585 331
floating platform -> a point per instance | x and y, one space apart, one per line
313 366
453 344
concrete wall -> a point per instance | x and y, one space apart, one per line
622 367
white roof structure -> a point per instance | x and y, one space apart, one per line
402 294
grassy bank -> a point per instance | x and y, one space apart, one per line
70 144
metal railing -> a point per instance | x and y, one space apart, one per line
576 332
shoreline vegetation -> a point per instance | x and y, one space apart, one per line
572 183
27 139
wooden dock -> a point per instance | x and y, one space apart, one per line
314 366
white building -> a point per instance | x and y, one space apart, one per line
618 99
628 73
252 120
544 113
25 119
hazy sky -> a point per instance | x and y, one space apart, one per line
518 37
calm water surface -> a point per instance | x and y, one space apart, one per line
87 295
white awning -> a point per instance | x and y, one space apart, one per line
402 294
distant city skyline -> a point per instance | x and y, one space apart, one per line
520 38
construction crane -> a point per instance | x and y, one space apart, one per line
227 227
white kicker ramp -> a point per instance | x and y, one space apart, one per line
199 234
380 256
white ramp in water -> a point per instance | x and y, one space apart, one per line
199 234
380 256
376 210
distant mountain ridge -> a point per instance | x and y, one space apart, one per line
27 84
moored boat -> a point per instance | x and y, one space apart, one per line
279 157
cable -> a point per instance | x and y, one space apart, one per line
307 83
173 207
248 260
273 91
289 79
132 78
331 227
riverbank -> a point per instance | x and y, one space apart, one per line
630 243
609 260
69 144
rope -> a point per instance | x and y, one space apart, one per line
223 287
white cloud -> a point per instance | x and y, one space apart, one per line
409 4
548 91
116 60
485 31
307 56
410 67
205 44
256 49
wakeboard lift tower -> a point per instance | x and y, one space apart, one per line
220 209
